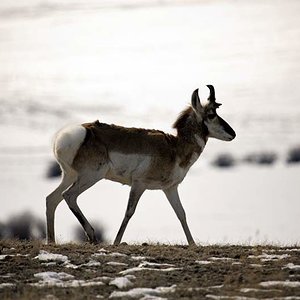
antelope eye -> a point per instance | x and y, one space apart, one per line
211 116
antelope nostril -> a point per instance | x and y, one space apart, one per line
233 134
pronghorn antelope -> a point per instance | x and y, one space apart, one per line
141 158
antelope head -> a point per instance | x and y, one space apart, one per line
208 117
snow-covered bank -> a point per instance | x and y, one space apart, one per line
170 272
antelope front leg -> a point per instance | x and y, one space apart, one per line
173 197
134 197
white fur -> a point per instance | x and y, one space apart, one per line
217 131
179 173
127 167
67 142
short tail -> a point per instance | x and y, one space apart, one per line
66 145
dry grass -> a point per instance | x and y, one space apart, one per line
232 268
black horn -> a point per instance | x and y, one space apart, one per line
212 95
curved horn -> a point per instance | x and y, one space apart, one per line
212 95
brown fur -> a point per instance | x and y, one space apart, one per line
101 139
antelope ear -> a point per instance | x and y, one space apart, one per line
196 104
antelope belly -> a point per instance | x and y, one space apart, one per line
125 168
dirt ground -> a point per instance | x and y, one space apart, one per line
33 270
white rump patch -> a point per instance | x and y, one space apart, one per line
67 142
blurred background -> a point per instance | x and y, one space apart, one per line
136 63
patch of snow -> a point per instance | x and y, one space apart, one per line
106 253
203 262
249 290
62 280
142 292
103 250
99 254
53 276
3 256
207 288
284 250
221 258
115 263
287 283
8 275
140 257
91 263
69 265
216 286
148 269
150 264
197 289
256 265
117 254
143 267
70 283
214 297
84 283
292 266
269 257
52 263
104 279
121 282
130 277
46 256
